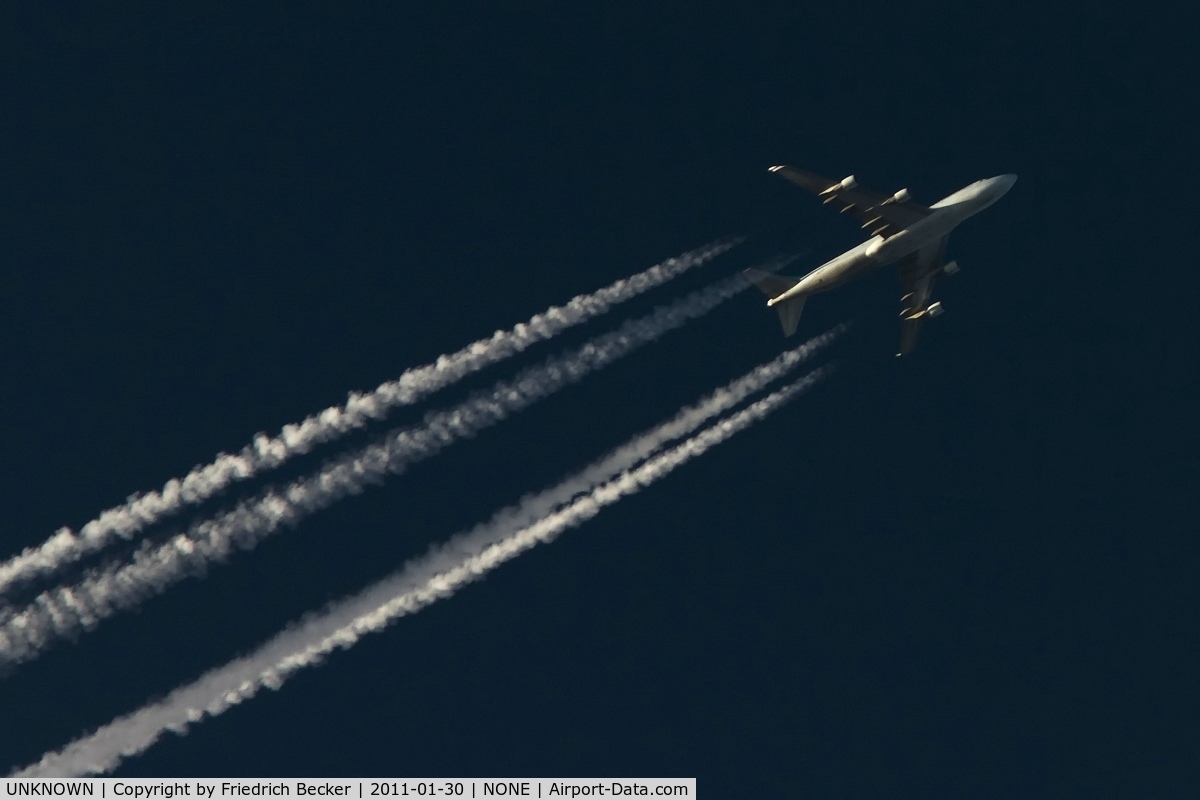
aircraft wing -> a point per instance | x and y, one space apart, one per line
918 273
879 214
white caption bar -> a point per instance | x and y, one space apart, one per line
213 788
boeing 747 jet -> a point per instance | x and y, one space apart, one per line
903 232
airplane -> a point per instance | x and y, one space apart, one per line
903 232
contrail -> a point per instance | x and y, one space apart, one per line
439 574
267 452
66 611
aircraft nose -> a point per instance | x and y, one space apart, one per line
1005 182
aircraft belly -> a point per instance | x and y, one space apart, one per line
907 242
847 273
836 272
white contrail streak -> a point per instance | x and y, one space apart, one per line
437 575
66 611
267 452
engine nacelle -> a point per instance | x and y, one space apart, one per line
950 268
935 310
848 182
901 196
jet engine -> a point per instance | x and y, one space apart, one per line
935 310
901 196
950 268
848 182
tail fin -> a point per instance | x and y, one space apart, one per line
773 285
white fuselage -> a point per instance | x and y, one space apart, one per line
878 251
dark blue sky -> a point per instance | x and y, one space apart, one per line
970 573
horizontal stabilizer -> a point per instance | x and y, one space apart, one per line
772 286
769 283
789 313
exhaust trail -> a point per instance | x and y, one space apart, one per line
66 611
435 576
267 452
